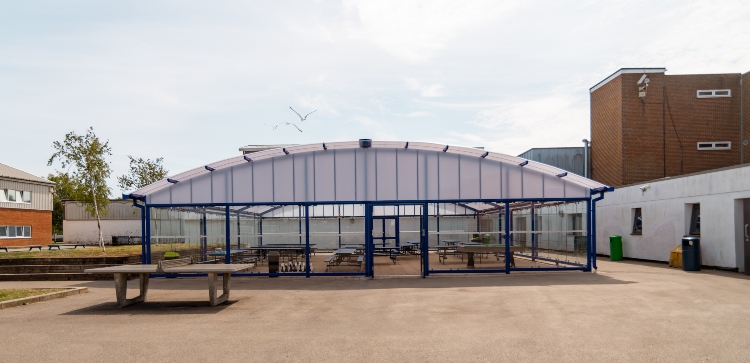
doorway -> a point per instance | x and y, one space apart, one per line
397 243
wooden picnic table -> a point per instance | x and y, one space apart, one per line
470 250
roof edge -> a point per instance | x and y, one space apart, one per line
626 71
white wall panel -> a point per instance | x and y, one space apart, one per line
263 181
514 183
448 176
553 187
469 177
491 180
160 197
533 184
283 177
386 174
575 191
407 174
345 180
300 177
221 184
242 183
181 193
202 188
325 188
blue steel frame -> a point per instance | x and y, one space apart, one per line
369 261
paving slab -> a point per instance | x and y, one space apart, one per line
626 312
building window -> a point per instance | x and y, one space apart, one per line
637 221
695 220
15 196
15 231
715 145
575 224
713 93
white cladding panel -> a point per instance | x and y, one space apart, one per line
283 179
345 175
383 173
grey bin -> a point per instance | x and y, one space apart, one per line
691 253
273 262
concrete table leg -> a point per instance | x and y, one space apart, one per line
213 299
121 289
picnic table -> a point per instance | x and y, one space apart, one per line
344 255
178 266
58 245
497 249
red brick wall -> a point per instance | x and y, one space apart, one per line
635 140
40 222
606 133
702 119
642 129
746 113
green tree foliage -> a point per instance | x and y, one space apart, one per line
84 157
142 172
65 189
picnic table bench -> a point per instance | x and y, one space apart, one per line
177 266
497 249
58 245
344 255
30 247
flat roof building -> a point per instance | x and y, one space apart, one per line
25 208
647 125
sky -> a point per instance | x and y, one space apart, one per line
194 81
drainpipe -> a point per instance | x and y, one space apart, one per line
586 159
742 123
143 230
593 224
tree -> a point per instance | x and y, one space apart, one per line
142 172
84 155
65 189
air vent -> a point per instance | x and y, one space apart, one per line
716 145
713 93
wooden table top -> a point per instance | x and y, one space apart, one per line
218 268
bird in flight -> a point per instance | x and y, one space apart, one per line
300 116
287 123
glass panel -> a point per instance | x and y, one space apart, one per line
27 196
27 231
3 231
11 231
554 237
3 195
11 195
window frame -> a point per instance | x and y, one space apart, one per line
713 93
7 232
695 220
637 225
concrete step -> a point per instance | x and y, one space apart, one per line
55 277
29 269
70 261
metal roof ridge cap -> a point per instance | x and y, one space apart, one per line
625 71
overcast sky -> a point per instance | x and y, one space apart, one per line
194 81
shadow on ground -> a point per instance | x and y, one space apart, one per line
153 307
359 283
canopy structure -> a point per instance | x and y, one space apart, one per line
388 171
341 194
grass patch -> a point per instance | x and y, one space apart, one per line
12 294
89 251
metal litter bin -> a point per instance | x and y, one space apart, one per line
615 248
273 262
691 253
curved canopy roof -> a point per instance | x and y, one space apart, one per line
389 171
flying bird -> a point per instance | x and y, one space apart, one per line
287 123
300 116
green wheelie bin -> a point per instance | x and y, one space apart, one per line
615 248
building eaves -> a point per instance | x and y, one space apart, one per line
9 172
624 71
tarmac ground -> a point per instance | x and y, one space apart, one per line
625 312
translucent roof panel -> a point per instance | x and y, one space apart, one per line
389 171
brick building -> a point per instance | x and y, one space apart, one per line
648 125
25 208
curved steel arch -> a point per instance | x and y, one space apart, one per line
389 171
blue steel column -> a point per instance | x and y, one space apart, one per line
204 237
368 241
227 236
238 230
425 241
588 236
533 235
143 230
260 231
507 237
593 228
307 241
339 231
299 223
148 235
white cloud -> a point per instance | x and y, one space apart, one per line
436 90
417 30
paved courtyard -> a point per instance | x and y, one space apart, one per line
628 311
